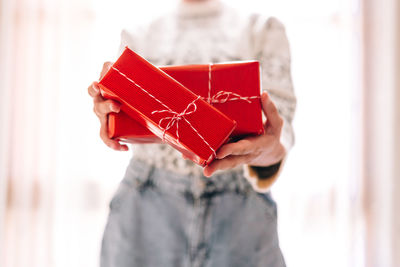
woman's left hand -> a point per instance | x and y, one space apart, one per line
262 150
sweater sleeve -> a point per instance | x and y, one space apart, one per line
271 48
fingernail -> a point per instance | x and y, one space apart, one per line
114 108
207 173
265 95
96 89
223 155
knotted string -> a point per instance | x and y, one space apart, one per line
223 96
176 117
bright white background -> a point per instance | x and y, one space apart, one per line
57 177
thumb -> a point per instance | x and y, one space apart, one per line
106 66
274 119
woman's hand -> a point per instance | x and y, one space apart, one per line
262 150
101 108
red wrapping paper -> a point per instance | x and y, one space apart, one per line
228 81
166 107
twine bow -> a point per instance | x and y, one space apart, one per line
176 117
222 97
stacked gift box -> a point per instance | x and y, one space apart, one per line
194 108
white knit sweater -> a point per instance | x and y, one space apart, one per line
210 32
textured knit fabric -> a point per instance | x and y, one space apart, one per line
211 32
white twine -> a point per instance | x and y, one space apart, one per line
223 96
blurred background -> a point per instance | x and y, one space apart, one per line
339 193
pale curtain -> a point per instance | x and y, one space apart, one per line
382 131
54 181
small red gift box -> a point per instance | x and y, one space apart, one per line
233 88
166 107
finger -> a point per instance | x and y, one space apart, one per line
226 163
102 108
94 90
271 112
106 66
110 142
242 147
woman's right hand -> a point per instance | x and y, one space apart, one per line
102 107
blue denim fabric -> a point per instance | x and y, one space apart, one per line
160 218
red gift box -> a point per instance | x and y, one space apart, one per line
123 128
166 107
233 88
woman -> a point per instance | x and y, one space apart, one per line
166 211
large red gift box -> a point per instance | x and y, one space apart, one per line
233 88
166 107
